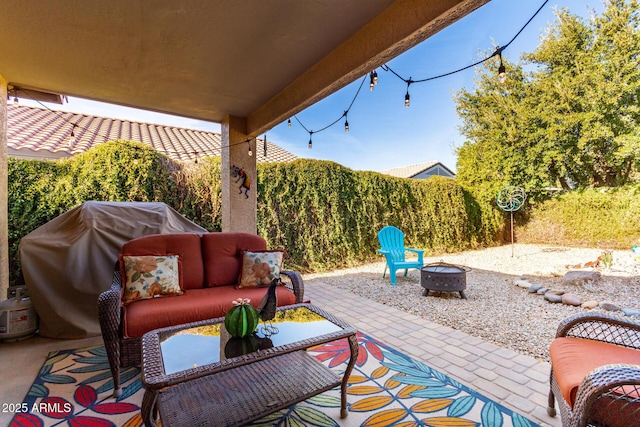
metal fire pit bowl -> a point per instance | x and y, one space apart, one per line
440 276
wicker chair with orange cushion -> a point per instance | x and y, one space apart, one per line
595 371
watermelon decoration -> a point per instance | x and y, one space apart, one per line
242 319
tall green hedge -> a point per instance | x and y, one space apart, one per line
199 193
326 215
323 214
604 218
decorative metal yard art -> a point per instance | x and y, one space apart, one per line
510 199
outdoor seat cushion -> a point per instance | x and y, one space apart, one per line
222 255
195 304
572 359
185 245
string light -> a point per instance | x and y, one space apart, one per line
15 94
71 138
502 72
249 144
264 145
407 97
346 124
373 76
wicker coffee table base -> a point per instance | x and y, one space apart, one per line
237 390
247 393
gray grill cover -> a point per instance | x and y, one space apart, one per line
69 261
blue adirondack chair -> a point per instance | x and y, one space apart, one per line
392 247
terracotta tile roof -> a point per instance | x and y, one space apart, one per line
43 133
413 170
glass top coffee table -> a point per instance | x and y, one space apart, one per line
198 375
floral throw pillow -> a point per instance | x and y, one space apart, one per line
150 277
260 268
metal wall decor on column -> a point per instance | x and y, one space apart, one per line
243 178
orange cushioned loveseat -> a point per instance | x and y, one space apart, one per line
207 268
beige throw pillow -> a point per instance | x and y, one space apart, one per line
260 268
150 276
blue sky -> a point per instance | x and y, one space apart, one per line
383 133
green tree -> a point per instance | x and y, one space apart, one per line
572 121
494 116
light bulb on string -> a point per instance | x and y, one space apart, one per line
373 79
264 145
71 138
289 123
310 141
346 123
502 72
250 152
15 94
407 97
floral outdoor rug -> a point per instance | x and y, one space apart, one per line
386 388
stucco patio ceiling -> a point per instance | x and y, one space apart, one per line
263 60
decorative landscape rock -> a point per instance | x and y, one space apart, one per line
571 299
575 277
585 278
553 298
534 288
522 282
631 311
590 304
609 306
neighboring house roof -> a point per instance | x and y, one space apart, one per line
420 170
43 133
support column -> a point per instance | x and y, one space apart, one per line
4 190
239 202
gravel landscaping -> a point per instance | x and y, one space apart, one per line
496 309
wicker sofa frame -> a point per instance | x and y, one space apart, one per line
123 352
600 395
